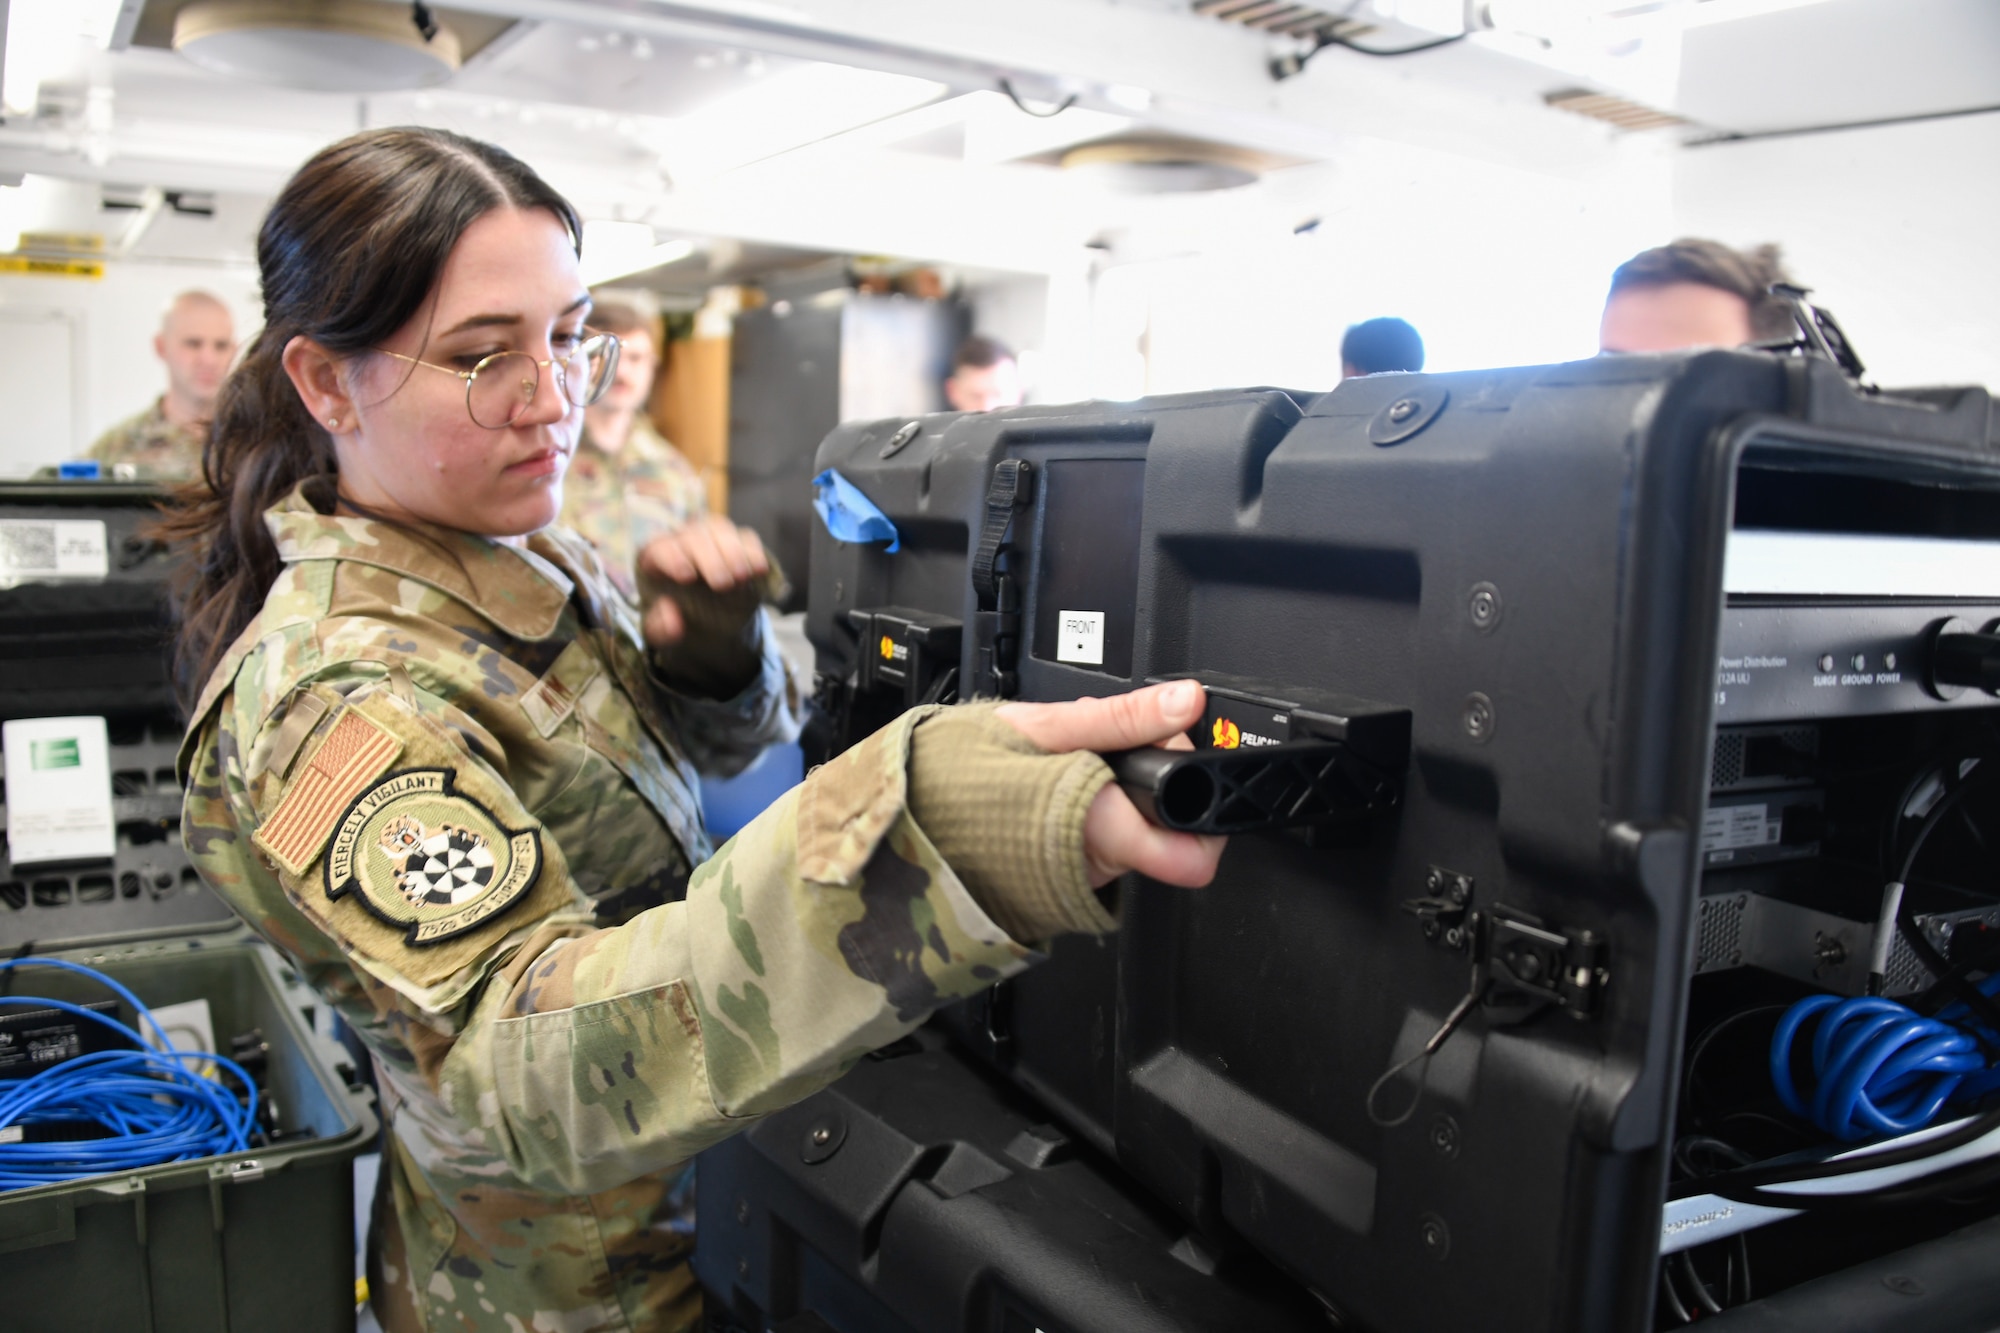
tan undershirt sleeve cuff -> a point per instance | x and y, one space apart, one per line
1008 819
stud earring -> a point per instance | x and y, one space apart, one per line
333 423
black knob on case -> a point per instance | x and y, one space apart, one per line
1961 659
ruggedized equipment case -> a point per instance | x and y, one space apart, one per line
1588 798
919 1194
246 1241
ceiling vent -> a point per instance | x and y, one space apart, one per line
1284 20
354 46
1626 115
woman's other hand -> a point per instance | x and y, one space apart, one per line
1116 837
699 590
710 554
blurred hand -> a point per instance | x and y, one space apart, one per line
1116 837
710 553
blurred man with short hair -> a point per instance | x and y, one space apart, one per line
196 343
1695 293
984 376
1378 346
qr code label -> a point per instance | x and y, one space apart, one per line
28 548
61 549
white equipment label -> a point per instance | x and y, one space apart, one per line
1080 637
38 549
58 789
1725 828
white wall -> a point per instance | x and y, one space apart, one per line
1896 229
115 373
1494 265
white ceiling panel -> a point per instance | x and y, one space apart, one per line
1842 62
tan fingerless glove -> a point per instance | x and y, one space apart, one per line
720 650
1008 819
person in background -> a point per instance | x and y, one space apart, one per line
196 341
984 376
1695 293
626 484
1375 346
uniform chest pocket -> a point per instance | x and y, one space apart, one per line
550 701
580 709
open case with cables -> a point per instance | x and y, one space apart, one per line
140 1188
1837 1091
1574 722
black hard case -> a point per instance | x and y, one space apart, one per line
918 1195
242 1242
1220 1046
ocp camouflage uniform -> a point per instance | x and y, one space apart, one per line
151 443
621 501
442 775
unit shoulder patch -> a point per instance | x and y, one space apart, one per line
429 859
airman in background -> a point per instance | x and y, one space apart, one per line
1695 293
984 376
1378 346
196 342
626 484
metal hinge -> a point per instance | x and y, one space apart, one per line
1528 962
1525 964
237 1173
1445 911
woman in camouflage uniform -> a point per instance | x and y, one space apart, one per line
446 769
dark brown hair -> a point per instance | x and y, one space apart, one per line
1745 273
348 254
980 352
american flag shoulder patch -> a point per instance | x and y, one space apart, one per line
353 754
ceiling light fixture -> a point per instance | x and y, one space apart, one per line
1707 12
619 249
356 46
43 37
783 112
1163 166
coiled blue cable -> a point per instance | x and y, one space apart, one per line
155 1103
1879 1067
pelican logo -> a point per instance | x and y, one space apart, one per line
1227 735
888 649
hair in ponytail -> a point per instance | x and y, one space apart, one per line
350 250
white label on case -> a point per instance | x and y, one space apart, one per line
35 548
1080 637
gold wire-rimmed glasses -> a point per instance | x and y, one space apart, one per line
500 388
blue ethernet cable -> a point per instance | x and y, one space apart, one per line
153 1103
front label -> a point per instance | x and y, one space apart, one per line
423 856
1080 637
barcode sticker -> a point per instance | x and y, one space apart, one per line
66 548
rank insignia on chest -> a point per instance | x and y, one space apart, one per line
425 857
